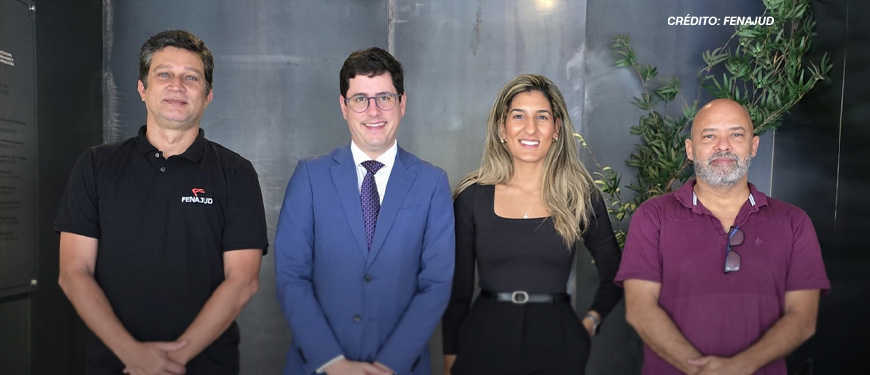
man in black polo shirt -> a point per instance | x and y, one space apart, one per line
162 234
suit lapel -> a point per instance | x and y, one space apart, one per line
401 179
345 180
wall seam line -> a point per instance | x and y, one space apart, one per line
840 125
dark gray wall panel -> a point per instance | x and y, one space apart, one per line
14 342
820 166
69 108
804 174
18 167
18 183
853 175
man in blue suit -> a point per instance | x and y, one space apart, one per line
365 243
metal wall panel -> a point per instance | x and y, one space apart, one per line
457 56
820 166
18 167
18 179
14 343
70 47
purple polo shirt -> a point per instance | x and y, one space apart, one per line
674 240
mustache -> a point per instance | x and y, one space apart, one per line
723 154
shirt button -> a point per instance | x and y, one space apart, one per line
156 154
368 278
357 318
163 169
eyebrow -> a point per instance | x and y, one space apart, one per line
733 128
376 94
524 111
190 69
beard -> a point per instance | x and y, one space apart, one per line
722 176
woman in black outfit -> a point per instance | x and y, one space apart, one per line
518 218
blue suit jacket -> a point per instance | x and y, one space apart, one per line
338 296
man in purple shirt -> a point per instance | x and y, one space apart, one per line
718 277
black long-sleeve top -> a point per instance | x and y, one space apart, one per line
522 254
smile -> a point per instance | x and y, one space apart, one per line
526 142
375 124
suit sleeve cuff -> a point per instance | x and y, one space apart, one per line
322 369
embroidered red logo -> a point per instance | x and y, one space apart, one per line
196 198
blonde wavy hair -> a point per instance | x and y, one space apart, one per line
566 184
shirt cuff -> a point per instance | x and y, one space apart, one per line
322 369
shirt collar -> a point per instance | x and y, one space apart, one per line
142 144
686 195
388 158
193 153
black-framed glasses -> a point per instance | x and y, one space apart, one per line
385 101
732 258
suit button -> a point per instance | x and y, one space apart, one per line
368 278
357 318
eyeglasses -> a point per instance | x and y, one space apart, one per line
385 101
732 258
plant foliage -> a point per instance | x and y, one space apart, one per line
765 68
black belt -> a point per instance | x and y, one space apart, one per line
520 297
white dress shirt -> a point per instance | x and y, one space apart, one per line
382 176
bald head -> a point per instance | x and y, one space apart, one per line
721 111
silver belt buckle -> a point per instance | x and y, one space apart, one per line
519 297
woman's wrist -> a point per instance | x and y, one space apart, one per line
594 322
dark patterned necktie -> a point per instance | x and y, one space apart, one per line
369 198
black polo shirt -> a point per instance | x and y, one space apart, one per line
162 226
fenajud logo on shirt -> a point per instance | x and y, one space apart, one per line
196 198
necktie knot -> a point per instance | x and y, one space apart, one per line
372 166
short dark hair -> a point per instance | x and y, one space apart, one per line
179 39
372 62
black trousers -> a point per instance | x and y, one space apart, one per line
503 338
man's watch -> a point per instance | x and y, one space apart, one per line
596 324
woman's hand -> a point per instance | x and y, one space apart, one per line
589 324
448 362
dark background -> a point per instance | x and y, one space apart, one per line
276 100
18 179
